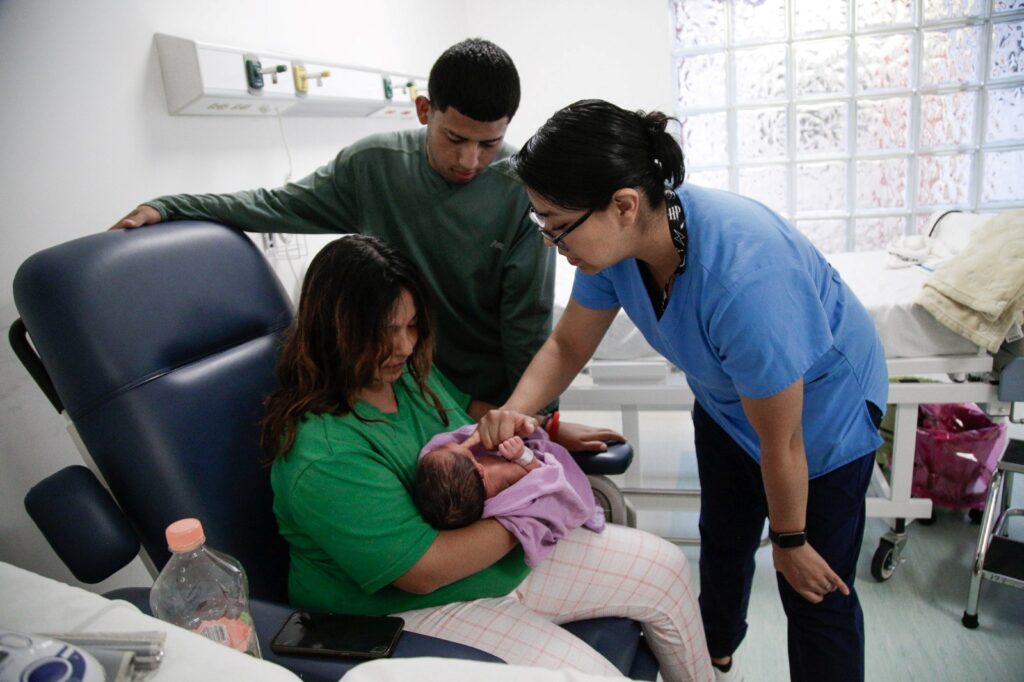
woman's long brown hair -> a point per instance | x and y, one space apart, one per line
338 340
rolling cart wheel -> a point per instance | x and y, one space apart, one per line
970 622
883 564
975 516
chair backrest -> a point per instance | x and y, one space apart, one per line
161 344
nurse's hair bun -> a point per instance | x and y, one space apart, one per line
665 153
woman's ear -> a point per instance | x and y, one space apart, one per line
626 206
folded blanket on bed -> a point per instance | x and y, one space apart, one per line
980 293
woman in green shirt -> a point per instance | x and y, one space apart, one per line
357 400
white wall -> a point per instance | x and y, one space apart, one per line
568 50
86 135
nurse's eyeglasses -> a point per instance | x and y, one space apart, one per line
556 241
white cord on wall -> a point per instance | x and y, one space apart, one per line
287 150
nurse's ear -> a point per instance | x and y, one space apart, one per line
625 207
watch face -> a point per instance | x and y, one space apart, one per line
787 540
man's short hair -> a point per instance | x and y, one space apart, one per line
476 77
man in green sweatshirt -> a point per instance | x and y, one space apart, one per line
445 196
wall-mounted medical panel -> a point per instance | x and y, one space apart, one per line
203 79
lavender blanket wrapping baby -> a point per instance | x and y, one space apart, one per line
546 504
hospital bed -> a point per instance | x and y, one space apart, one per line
627 375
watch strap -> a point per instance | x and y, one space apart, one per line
787 540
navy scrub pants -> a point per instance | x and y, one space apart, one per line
826 640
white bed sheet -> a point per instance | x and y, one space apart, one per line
907 330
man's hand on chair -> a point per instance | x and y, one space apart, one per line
142 215
582 438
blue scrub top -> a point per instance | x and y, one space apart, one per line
757 308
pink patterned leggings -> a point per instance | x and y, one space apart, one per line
620 572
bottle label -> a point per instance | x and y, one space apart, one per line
234 632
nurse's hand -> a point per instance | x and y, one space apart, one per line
807 572
497 426
582 438
142 215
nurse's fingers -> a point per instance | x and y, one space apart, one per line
499 425
473 438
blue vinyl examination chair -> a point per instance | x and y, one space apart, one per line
159 344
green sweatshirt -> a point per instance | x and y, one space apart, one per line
491 277
343 502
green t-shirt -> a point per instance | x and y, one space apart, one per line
491 277
342 500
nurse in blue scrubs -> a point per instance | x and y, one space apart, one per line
787 369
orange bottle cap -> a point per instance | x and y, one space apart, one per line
185 535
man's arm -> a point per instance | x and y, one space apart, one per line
457 554
777 421
527 299
322 202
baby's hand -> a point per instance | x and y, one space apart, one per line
512 448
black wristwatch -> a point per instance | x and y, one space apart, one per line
787 540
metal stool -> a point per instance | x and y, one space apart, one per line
999 558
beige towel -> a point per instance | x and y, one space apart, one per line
980 293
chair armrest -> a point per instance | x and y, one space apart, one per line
615 460
82 523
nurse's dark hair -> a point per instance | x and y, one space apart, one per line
340 336
476 77
590 149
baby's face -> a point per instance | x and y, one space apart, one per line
495 471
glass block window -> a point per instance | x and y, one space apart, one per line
855 119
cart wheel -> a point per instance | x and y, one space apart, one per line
930 521
883 564
975 516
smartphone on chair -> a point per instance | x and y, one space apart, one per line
319 633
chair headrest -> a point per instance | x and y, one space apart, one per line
125 297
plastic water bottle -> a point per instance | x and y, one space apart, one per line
203 590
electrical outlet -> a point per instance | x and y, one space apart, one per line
253 74
299 76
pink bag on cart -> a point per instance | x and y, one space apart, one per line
957 449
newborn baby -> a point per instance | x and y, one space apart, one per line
534 488
452 483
